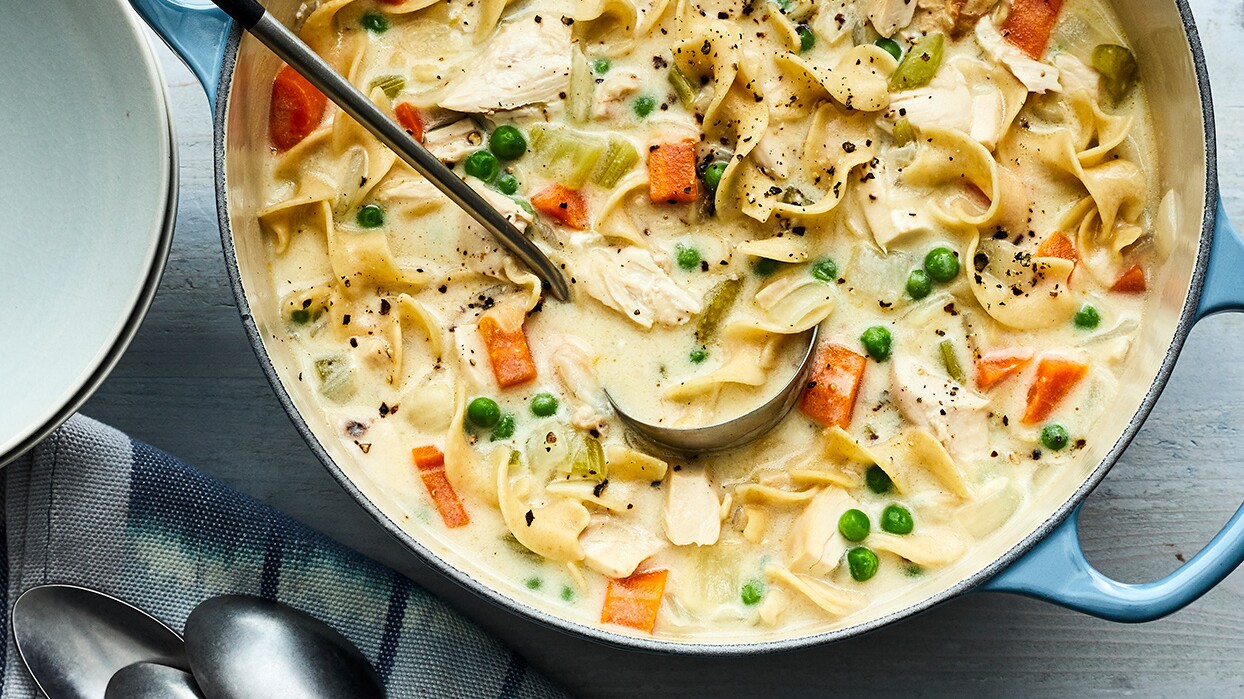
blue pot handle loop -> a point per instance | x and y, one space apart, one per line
197 31
1055 570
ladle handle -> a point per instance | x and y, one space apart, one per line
286 45
1056 570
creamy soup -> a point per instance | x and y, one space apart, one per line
959 193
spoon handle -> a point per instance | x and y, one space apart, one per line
285 44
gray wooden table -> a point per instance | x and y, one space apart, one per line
190 385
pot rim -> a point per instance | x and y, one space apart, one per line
1187 319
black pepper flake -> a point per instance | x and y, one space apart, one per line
345 319
354 428
530 517
384 410
442 288
600 488
364 446
1036 454
567 21
385 307
354 342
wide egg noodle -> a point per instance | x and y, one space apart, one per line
1018 289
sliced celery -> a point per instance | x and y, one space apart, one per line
620 158
904 132
570 156
390 84
951 361
581 94
920 63
588 459
683 87
716 305
336 378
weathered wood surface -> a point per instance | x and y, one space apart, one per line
190 385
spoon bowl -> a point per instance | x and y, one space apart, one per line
246 647
730 433
73 640
151 681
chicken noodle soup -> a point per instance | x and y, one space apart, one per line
958 192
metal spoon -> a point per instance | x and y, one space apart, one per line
245 647
151 681
73 640
255 19
734 432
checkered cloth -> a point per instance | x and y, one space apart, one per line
90 506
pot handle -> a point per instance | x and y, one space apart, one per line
1055 570
198 32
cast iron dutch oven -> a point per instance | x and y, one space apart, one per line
1038 555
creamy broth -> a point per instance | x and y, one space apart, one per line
968 219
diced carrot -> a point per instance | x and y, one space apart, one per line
1058 245
995 366
835 384
502 331
1132 282
1056 378
1029 24
562 204
296 109
428 457
671 172
431 464
410 119
634 601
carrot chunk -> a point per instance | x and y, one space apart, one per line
671 172
994 367
1055 379
564 205
1058 245
634 601
506 342
410 119
1132 282
296 109
1029 24
431 464
835 384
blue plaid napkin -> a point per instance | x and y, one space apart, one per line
90 506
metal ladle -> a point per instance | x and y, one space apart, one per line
285 44
734 432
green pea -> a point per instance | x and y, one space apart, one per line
375 23
878 480
919 284
482 164
896 519
862 563
941 264
504 429
698 355
688 257
370 216
752 592
484 412
507 142
877 342
890 46
1087 317
854 525
507 183
600 66
712 175
300 316
533 583
543 404
806 38
643 105
567 593
1054 437
764 266
825 269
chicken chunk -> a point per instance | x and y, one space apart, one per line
951 412
815 544
692 511
892 213
1035 75
527 62
615 548
889 16
613 89
952 101
454 142
629 281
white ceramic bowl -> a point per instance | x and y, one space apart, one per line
88 185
